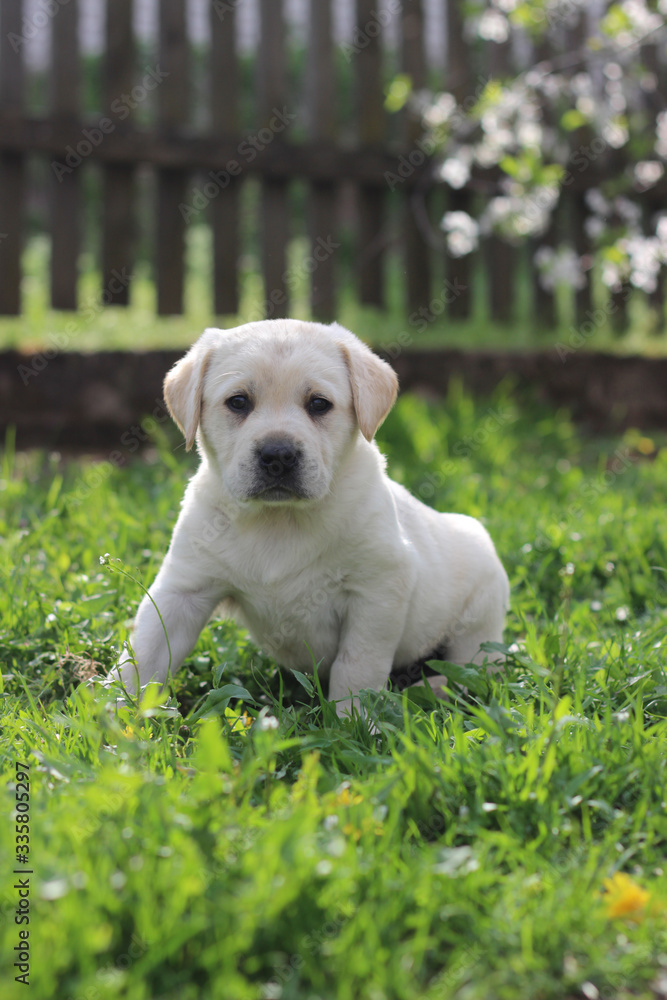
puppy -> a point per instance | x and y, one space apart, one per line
292 527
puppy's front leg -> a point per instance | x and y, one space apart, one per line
366 653
185 605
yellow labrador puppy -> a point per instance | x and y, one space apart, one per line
292 526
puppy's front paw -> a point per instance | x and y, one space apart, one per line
349 707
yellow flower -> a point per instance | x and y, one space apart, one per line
624 898
367 824
238 723
346 798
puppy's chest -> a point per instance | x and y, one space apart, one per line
289 590
297 618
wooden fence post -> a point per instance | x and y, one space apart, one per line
501 257
65 185
172 94
371 131
11 164
576 204
416 250
224 84
322 215
274 209
459 79
544 301
119 212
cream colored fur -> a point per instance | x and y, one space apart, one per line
343 566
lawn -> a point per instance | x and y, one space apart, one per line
237 840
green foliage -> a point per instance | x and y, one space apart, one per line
235 839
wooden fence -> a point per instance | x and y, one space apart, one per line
221 158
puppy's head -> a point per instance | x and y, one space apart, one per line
278 403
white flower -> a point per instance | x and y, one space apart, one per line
440 111
454 172
661 233
612 71
559 267
529 134
648 172
645 254
462 233
661 134
493 26
611 275
594 226
582 85
629 211
617 103
615 133
597 202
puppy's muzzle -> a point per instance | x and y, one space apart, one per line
278 471
278 459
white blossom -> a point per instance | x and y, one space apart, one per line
559 267
645 256
597 202
661 134
661 232
462 233
518 128
455 172
648 172
615 133
612 71
628 211
438 112
611 275
493 26
594 227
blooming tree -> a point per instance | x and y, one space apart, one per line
587 114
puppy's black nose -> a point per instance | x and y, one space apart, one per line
278 457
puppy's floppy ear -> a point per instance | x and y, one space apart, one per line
184 386
374 383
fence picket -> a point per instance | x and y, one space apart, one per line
544 312
225 206
118 220
371 131
11 163
500 257
274 209
322 215
65 184
172 94
416 250
460 83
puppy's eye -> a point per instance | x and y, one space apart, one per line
238 404
318 405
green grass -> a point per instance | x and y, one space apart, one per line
96 327
460 852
